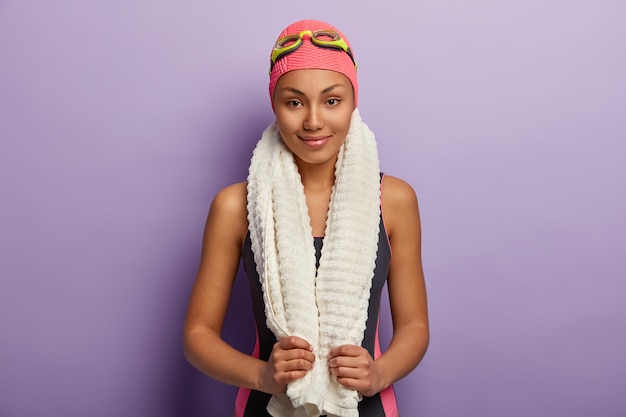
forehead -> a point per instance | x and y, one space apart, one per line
312 81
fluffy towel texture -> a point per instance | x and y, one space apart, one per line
328 309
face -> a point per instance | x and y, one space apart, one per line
313 109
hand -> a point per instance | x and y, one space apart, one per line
354 368
291 358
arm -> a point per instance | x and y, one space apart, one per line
407 295
204 348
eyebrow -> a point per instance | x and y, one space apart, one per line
324 91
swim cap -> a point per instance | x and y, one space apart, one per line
310 56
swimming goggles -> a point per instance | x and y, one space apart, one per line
322 38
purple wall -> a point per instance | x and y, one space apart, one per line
120 120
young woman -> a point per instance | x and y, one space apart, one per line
320 231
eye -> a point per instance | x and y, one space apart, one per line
293 103
332 101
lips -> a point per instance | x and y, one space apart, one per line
314 141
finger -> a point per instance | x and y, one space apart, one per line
295 365
294 342
293 376
352 383
350 373
346 350
295 355
361 361
286 360
299 355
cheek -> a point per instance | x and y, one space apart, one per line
342 121
285 130
286 122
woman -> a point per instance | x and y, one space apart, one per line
320 230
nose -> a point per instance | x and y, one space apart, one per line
313 119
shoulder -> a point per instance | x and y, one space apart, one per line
396 192
398 203
232 198
229 209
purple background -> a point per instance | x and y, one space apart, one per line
120 120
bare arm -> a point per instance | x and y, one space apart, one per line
204 348
407 296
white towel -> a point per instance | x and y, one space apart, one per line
328 309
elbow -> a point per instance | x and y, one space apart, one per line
424 336
424 343
199 344
190 343
187 351
187 348
421 340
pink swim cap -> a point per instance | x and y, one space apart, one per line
310 56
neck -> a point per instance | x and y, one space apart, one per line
317 176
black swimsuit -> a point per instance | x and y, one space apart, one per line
251 403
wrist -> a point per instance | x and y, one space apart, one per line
382 378
259 382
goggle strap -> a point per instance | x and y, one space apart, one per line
284 54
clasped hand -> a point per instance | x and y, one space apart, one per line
292 357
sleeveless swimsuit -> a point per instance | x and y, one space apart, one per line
252 403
